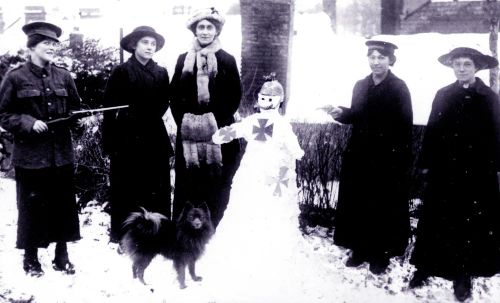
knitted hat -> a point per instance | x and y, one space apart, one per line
129 41
480 60
210 14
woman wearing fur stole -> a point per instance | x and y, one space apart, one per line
206 92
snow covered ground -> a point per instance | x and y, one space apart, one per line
103 275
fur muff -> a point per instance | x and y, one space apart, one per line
196 133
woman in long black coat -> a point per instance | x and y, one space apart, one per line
206 92
372 216
136 138
458 233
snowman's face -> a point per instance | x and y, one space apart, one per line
268 102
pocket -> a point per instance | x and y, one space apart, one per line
28 93
61 92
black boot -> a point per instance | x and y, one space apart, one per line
354 260
30 263
61 261
462 288
419 279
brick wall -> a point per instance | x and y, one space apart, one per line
449 17
267 30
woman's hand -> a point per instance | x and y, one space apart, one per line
40 127
334 111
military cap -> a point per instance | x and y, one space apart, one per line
43 28
381 45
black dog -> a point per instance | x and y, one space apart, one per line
148 234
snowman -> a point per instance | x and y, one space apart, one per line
272 145
260 225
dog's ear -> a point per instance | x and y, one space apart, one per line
187 207
205 208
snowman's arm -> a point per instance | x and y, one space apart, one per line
229 133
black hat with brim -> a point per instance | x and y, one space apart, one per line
481 60
129 41
377 44
46 29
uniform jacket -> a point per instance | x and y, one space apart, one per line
29 93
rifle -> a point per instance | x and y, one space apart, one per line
82 113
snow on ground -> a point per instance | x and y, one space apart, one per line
103 275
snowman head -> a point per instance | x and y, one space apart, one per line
271 95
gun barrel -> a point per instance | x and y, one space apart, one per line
103 109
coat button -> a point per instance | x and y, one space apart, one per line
47 89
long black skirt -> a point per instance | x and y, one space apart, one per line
47 209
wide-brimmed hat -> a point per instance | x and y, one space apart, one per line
481 60
210 14
129 41
46 29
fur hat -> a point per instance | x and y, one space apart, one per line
129 41
480 60
210 14
45 29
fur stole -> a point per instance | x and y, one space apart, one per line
206 64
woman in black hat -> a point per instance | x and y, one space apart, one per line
32 95
135 138
206 93
458 235
372 216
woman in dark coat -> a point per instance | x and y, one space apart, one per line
32 95
136 138
372 216
458 233
206 92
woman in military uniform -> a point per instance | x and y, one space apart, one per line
32 95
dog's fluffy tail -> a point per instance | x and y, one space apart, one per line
144 231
